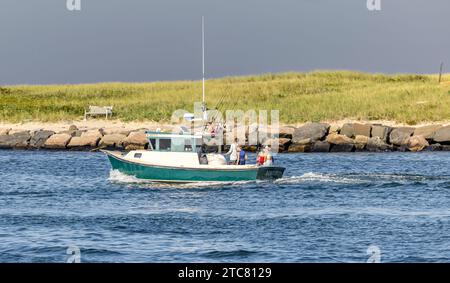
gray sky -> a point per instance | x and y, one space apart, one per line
148 40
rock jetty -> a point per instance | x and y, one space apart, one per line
310 137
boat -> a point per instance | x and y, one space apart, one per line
181 156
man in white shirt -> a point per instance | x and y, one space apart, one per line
233 152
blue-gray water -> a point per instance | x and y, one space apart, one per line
328 208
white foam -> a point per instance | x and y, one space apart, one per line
317 177
118 177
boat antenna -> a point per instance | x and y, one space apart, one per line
203 69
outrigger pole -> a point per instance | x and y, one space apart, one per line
203 69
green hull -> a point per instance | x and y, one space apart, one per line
170 174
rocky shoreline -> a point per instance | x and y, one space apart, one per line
310 137
351 137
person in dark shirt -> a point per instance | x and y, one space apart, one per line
242 156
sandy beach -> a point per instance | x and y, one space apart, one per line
82 125
151 125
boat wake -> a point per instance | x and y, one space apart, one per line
310 177
116 176
121 178
318 177
358 178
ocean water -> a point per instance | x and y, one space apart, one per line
328 208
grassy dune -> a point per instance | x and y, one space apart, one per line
315 96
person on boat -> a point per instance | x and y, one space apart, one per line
242 156
233 152
211 129
260 158
269 155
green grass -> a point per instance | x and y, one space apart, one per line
300 97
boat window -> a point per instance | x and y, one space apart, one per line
188 144
164 144
152 144
137 155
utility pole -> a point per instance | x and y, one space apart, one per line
440 71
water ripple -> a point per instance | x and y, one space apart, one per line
328 208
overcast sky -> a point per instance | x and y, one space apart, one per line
147 40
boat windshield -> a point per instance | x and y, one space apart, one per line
174 142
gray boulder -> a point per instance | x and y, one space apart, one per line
286 132
278 145
22 139
417 143
381 131
311 131
304 142
112 140
57 141
79 143
73 128
376 144
342 148
299 147
283 144
87 139
136 140
6 141
118 130
77 133
400 136
427 131
73 133
360 142
16 131
334 129
339 139
347 130
442 135
355 129
16 140
39 138
321 146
